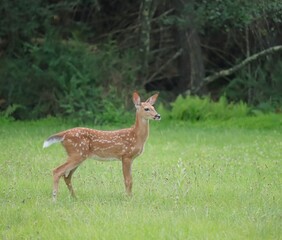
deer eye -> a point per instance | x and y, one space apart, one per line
147 109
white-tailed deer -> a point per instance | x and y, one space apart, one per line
124 145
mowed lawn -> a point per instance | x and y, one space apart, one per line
194 181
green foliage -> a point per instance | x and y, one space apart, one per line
28 21
194 108
45 69
262 89
50 67
7 114
225 14
21 21
229 14
69 80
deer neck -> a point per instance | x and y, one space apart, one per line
141 129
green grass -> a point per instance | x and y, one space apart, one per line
215 180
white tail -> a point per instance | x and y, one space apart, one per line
124 145
51 140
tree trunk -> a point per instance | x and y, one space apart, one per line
146 12
191 61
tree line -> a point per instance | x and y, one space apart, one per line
81 58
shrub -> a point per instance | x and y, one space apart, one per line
68 79
194 108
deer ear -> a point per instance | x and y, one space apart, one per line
153 99
136 99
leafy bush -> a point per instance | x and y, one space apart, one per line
194 108
70 80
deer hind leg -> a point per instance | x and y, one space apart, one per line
63 169
67 178
126 169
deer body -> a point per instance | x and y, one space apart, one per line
124 145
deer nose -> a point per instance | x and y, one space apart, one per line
157 117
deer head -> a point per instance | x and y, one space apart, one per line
146 109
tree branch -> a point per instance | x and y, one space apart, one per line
229 71
160 69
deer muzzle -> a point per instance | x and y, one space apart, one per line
157 117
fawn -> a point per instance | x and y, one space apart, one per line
124 145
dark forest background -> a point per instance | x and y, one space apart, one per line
81 59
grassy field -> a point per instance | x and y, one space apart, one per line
194 181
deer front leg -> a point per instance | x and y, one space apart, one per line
126 169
